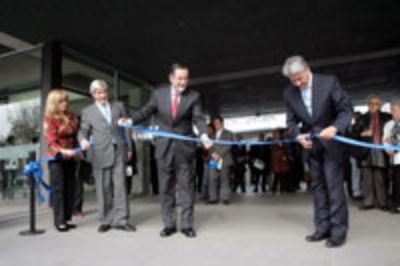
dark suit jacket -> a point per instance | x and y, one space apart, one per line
331 105
189 112
363 124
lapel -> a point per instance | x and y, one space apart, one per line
114 113
316 91
168 104
299 102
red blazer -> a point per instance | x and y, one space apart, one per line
60 134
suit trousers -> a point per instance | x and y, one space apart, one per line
374 186
330 204
224 176
175 170
111 192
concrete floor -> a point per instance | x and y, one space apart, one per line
254 230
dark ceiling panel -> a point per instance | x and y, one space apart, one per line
145 37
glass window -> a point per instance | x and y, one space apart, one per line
20 122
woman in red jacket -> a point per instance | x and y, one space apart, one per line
60 129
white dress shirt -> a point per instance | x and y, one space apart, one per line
306 94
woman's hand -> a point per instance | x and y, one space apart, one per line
67 152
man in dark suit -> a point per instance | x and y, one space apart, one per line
222 154
260 164
239 155
322 106
176 109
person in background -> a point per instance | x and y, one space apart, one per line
355 154
260 160
280 164
239 154
206 160
222 155
131 164
391 136
369 128
60 129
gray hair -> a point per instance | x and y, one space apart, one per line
395 102
294 65
374 97
97 84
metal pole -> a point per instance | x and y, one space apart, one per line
32 208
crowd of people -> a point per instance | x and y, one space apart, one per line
371 175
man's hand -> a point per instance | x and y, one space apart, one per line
207 143
124 121
328 133
85 144
367 133
305 141
67 152
130 156
216 156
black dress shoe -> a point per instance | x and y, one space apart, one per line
168 231
211 202
126 227
316 237
365 208
71 226
335 242
62 228
189 232
104 228
225 202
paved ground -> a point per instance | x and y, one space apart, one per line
254 230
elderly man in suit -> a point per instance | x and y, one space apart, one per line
323 107
222 155
109 154
176 108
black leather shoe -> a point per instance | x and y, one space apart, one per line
168 231
62 228
335 242
126 227
71 226
103 228
226 202
189 232
211 202
316 237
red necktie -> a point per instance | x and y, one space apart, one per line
376 127
175 103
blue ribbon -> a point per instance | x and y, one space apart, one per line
213 164
35 169
338 138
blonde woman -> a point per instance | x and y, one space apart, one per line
60 129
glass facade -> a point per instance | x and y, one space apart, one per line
21 118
